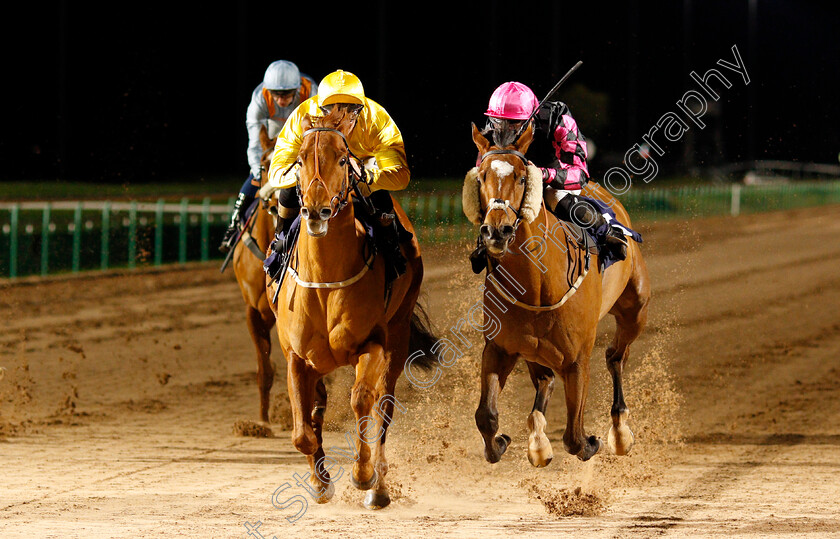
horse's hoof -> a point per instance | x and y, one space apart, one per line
620 440
326 494
494 454
377 500
538 462
593 445
540 459
367 485
540 453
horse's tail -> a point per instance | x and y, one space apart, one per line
422 339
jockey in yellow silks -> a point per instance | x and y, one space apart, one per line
376 141
375 135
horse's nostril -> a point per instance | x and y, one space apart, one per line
325 213
304 213
486 230
506 230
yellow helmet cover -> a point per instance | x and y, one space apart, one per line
341 87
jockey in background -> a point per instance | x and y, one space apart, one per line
559 151
272 101
375 140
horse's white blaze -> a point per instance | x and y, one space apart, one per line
502 170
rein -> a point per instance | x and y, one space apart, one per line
337 202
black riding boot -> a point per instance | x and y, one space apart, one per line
384 205
284 241
578 210
233 227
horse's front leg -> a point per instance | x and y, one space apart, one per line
378 496
305 386
496 365
369 385
540 453
576 382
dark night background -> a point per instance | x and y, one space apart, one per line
157 91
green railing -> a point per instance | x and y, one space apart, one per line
736 199
42 238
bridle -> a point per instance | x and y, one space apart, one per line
352 175
504 205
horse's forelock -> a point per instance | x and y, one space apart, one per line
339 118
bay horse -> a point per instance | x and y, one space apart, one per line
250 276
332 311
550 326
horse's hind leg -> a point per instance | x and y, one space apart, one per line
260 326
630 313
496 365
370 374
304 386
539 447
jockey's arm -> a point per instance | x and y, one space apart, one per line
571 173
255 118
378 136
385 140
280 175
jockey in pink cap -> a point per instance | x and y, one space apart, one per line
559 150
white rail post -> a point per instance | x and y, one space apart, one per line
735 208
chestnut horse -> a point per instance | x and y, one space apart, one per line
251 278
332 311
548 302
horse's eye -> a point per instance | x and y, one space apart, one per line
342 161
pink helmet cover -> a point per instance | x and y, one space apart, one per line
512 101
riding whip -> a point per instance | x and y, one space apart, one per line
547 97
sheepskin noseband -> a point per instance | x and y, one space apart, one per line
531 201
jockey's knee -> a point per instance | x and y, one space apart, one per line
382 201
249 189
288 199
584 215
563 208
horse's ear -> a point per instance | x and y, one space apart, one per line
525 139
306 122
480 140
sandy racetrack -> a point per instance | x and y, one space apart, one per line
120 396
